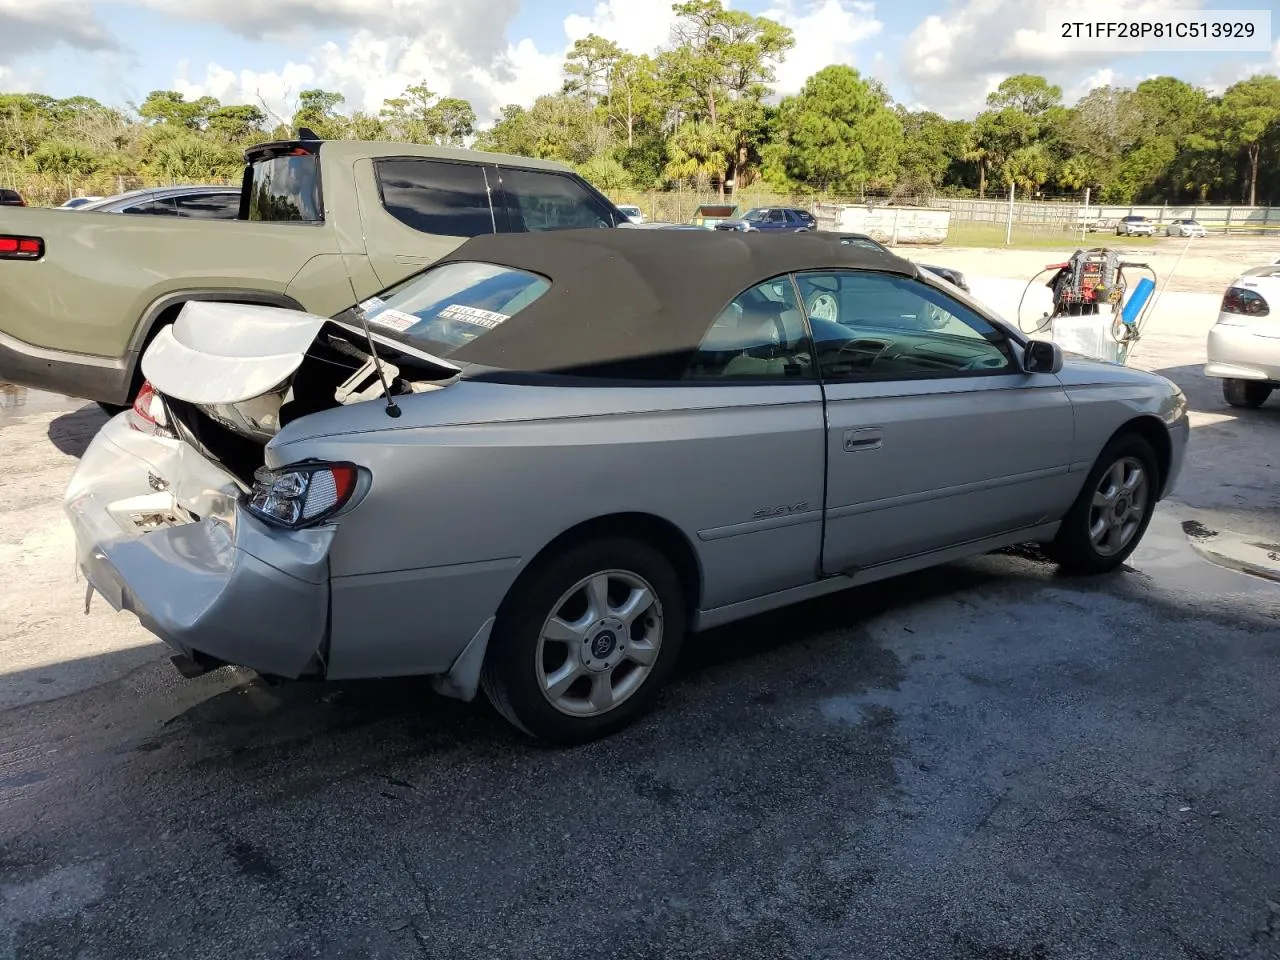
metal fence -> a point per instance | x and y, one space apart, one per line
1063 216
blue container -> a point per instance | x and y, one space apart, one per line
1138 300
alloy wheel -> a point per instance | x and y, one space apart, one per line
1119 504
600 643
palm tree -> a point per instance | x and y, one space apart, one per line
698 154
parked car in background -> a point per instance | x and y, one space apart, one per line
1185 228
1243 347
709 214
950 274
502 528
631 212
76 202
765 219
11 198
387 210
1135 227
213 202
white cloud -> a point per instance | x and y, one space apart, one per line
375 63
953 60
1236 71
30 25
13 82
826 32
641 26
1106 77
478 26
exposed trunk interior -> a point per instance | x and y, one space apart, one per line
336 370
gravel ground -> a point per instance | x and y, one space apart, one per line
980 761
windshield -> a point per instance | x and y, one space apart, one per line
759 213
450 305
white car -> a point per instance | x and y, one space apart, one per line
1135 227
631 212
1244 345
1185 228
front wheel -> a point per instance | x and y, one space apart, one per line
1107 521
1249 394
585 641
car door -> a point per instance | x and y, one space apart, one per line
935 435
774 220
416 210
754 486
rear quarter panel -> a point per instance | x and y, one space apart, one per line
102 271
472 481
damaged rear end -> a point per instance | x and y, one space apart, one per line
177 515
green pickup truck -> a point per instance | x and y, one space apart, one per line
323 225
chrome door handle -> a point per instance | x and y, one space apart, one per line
862 439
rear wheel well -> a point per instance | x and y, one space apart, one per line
661 534
169 313
1152 430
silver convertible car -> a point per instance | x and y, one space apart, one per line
541 464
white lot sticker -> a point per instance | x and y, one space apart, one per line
373 303
394 320
481 318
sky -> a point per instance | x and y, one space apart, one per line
942 55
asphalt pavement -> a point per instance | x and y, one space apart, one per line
984 760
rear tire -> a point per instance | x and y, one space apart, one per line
585 641
1109 517
1249 394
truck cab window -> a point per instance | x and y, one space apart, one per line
541 200
437 197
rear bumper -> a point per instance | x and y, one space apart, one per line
74 374
213 583
1237 353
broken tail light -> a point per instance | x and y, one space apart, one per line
148 414
302 494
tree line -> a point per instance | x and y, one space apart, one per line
701 113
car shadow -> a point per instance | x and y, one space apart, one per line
1234 452
72 432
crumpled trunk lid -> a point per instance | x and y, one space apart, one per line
232 375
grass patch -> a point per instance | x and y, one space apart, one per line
971 234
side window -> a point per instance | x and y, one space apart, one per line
162 208
538 200
435 197
777 216
209 206
876 326
760 335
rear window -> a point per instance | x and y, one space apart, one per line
451 305
286 189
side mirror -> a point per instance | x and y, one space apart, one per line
1042 356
